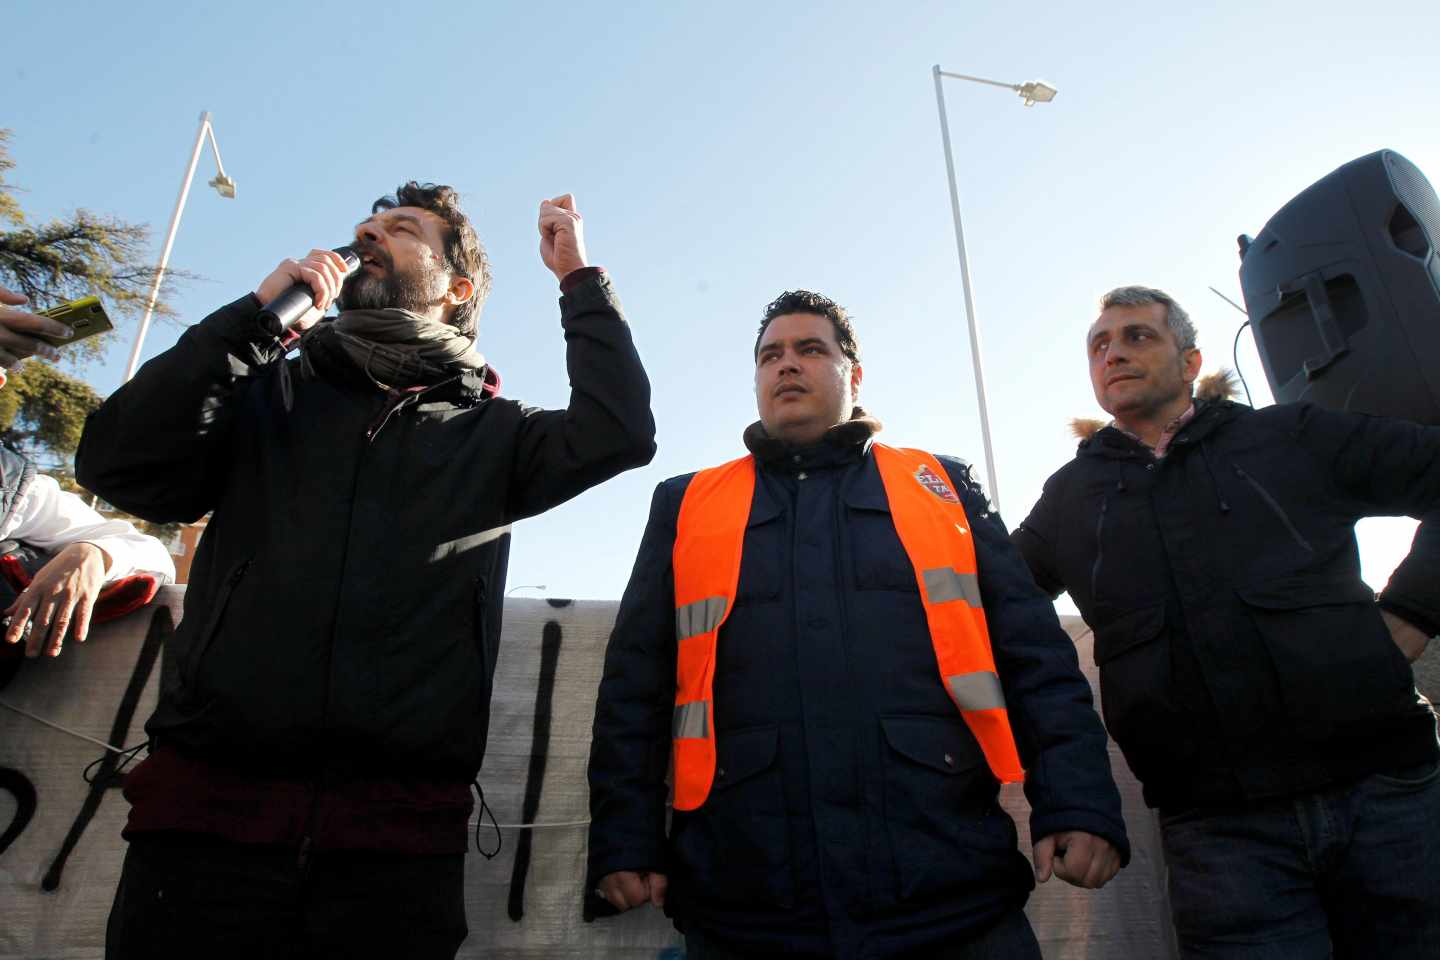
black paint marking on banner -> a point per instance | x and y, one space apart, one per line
535 778
162 628
18 786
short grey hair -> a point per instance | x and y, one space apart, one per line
1175 315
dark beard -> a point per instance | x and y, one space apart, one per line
417 291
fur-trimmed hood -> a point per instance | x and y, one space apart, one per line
1220 385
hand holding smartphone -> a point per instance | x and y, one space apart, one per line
86 317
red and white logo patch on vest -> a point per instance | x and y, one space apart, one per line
928 479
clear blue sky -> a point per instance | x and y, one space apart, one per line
724 153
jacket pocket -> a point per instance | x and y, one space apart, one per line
190 666
946 829
1136 696
878 558
1339 673
736 847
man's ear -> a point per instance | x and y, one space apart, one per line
857 373
1191 362
461 290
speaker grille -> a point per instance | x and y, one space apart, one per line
1418 196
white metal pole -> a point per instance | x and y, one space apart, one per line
169 243
974 325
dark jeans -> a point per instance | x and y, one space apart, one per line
1355 869
187 900
1010 939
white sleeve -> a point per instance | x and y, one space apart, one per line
50 518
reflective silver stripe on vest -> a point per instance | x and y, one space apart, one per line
691 721
976 691
699 617
942 584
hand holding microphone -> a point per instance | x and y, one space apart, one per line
298 292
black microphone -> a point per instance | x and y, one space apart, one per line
280 314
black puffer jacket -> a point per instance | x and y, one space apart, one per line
853 814
344 605
1240 654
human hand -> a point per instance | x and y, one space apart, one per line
323 271
18 329
627 888
1409 638
562 236
1084 860
62 594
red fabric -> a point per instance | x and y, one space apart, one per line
574 278
123 596
14 572
175 792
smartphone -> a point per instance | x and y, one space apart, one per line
85 316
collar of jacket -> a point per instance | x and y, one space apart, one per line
465 389
1111 443
843 443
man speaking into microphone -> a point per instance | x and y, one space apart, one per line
324 702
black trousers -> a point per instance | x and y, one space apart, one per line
1009 939
180 899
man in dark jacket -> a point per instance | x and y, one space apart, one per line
853 810
1257 688
324 703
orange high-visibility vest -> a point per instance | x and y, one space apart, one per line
935 533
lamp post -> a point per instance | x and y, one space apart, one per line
223 185
525 586
1036 91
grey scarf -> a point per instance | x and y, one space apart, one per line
397 348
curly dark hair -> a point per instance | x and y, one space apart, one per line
464 253
803 301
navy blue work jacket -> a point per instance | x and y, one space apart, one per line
852 814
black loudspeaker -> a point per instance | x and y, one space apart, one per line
1343 292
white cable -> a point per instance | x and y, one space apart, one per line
530 826
53 725
112 749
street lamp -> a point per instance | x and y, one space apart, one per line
525 586
224 185
1036 91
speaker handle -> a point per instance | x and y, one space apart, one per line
1323 313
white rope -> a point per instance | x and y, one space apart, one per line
55 726
113 749
118 750
530 826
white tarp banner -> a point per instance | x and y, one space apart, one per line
58 876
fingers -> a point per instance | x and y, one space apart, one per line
39 634
659 883
624 890
1085 860
84 608
63 592
1103 866
554 217
61 610
19 332
19 614
1044 859
12 298
324 271
562 239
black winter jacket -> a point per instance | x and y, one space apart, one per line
1240 654
343 612
853 813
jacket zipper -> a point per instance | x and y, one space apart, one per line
213 626
1274 505
1099 548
